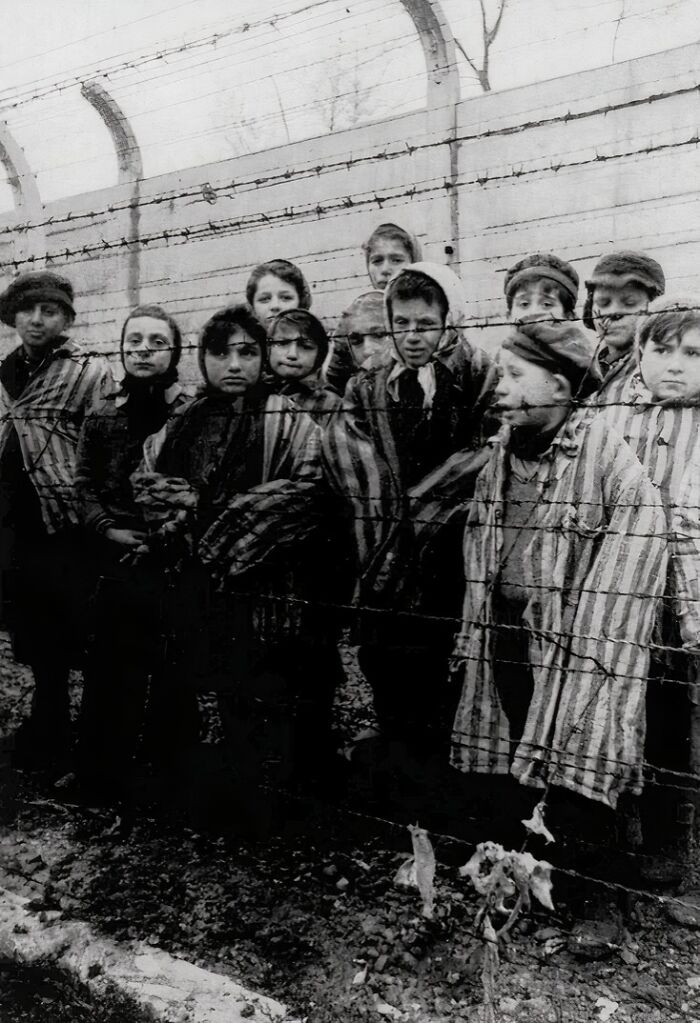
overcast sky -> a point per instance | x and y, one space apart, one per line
315 66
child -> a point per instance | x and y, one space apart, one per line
541 287
621 287
274 287
363 327
564 555
298 346
47 385
124 650
662 426
387 249
250 460
400 420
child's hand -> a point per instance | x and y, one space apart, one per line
161 495
125 537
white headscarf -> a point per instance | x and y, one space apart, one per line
451 285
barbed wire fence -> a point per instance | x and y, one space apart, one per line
387 202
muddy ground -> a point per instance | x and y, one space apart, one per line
307 910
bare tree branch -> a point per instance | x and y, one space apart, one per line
488 38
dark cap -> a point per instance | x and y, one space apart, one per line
560 348
619 269
37 286
540 265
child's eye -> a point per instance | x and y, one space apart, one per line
307 346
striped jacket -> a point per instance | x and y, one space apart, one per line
596 568
280 510
47 416
622 388
359 450
666 440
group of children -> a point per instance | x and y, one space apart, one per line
540 502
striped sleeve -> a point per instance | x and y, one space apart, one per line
283 510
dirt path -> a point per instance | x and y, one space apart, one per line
310 914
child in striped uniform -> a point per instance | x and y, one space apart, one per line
402 418
48 384
564 555
297 348
661 423
388 248
247 464
620 288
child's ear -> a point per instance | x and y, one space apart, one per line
563 390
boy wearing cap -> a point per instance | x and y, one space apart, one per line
541 287
620 288
564 555
47 384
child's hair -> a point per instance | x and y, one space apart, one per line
156 312
543 266
412 284
311 327
619 269
287 272
219 327
371 302
392 232
667 320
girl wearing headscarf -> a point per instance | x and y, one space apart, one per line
297 348
388 248
234 479
401 419
124 647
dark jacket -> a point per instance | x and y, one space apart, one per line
109 450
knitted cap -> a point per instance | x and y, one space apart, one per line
622 268
540 265
560 348
37 286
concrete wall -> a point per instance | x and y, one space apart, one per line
578 165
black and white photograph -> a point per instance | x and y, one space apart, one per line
350 511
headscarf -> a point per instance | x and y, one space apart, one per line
451 286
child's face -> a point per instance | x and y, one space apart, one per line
292 355
671 366
615 312
273 296
366 335
148 347
234 370
40 323
384 259
527 395
536 300
417 328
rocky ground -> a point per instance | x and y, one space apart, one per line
309 911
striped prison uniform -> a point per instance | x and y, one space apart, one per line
275 513
47 416
360 452
595 568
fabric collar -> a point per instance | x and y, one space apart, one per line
169 395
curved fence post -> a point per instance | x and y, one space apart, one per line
130 167
29 243
443 94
